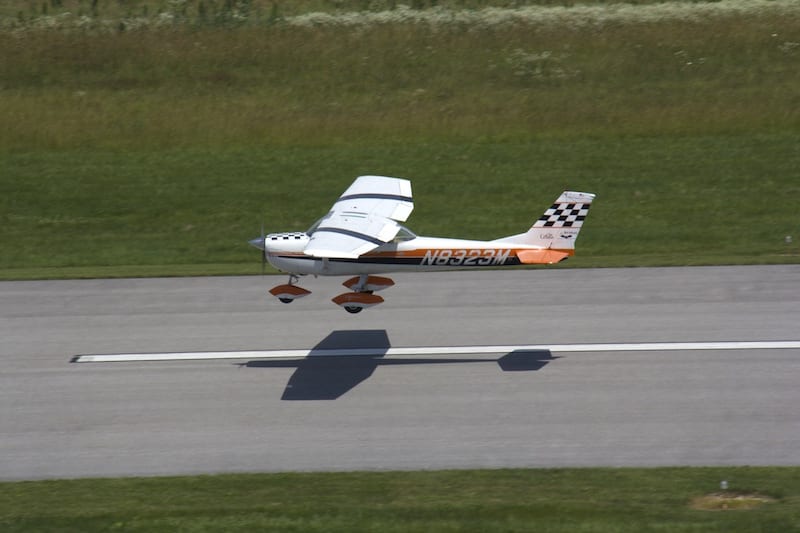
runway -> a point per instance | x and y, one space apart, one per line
518 400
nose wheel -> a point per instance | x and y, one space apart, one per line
289 292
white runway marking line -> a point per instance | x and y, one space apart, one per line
438 351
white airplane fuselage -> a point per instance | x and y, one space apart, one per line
284 251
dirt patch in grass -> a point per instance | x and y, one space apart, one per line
730 501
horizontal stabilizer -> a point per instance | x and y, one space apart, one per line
541 257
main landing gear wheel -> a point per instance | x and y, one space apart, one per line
363 287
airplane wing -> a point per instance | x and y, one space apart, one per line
364 217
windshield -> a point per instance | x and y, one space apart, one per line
310 231
404 234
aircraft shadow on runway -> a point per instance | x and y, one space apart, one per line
329 377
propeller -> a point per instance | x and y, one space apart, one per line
259 243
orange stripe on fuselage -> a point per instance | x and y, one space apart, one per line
473 257
466 257
422 252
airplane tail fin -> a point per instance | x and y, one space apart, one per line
558 227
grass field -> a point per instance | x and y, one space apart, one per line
559 500
152 212
161 151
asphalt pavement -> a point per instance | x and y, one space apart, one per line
535 408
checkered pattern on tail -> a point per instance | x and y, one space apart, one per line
558 228
564 215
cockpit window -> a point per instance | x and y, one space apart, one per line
404 234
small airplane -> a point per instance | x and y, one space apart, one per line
361 236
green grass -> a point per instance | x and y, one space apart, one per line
568 500
400 83
161 151
678 201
